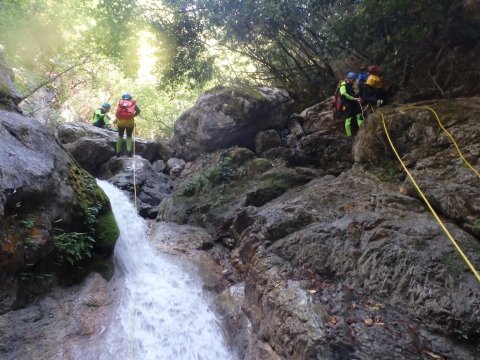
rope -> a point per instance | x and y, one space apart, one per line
449 135
134 175
465 258
132 323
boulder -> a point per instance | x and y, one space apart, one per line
429 153
228 116
159 166
150 186
320 117
46 205
295 127
266 140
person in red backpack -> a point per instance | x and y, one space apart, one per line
126 111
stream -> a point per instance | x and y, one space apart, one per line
163 311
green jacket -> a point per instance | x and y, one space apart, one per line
100 118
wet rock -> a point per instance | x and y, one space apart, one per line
149 186
68 317
42 193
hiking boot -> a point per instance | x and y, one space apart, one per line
117 155
129 153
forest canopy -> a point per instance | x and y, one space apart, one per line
166 52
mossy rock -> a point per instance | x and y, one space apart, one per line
92 208
258 166
106 232
240 155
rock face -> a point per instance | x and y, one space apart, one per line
8 91
339 257
227 116
47 204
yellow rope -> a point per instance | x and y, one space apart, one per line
132 324
465 258
448 134
134 175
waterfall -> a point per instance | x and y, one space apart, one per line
163 312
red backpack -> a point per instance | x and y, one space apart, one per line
125 109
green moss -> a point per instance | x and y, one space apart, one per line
386 171
106 232
454 263
232 99
92 207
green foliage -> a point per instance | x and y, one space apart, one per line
72 247
219 174
28 222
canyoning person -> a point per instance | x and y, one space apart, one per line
350 104
361 79
126 111
373 89
100 116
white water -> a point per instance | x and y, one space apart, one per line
163 312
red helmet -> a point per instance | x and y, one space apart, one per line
374 69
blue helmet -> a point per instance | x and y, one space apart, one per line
106 105
351 76
126 96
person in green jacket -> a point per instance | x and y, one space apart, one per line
350 104
100 116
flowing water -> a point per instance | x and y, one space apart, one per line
163 313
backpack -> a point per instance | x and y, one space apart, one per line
125 109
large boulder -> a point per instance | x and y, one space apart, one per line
51 211
429 153
137 177
320 117
228 116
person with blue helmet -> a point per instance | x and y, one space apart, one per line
126 111
350 104
100 116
